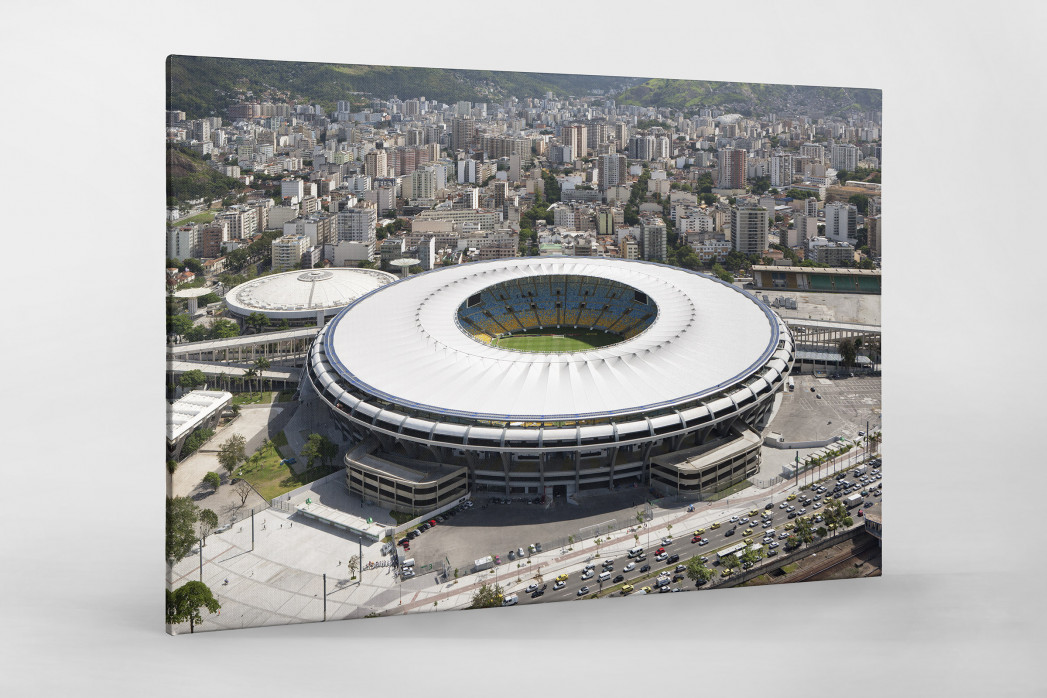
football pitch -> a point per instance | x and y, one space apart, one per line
557 340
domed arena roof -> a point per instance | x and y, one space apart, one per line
301 294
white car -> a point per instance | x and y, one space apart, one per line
783 535
559 585
588 574
744 519
667 540
705 541
630 567
660 558
802 512
766 524
531 588
790 508
773 544
782 505
733 519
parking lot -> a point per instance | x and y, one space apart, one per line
494 529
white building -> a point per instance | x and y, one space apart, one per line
781 170
288 251
841 222
293 189
183 242
831 252
844 157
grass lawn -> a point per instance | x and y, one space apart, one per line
284 396
557 340
253 398
401 518
729 491
271 478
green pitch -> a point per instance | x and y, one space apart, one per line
557 340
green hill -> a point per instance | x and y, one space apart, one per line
189 177
203 86
749 98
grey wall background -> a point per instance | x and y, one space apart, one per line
958 612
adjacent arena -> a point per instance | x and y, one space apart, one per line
680 378
306 297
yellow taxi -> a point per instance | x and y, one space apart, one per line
790 498
627 589
747 532
789 526
699 531
747 541
754 512
562 578
646 590
715 525
726 572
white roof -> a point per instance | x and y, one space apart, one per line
193 408
297 294
404 344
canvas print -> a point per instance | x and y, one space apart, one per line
455 339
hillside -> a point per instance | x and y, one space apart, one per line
750 98
189 177
203 86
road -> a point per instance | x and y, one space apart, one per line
682 546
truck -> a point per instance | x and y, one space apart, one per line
484 563
853 500
860 470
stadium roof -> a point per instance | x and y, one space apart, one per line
302 293
403 344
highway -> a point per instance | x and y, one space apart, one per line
682 546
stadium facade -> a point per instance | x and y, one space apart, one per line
675 402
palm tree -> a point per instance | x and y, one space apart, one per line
261 364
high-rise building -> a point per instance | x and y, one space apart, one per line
614 170
781 170
730 168
292 189
841 222
653 241
844 157
358 223
577 137
501 193
874 231
376 163
183 242
814 151
749 229
831 252
463 133
288 251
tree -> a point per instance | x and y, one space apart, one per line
172 465
848 351
353 564
193 378
487 596
261 364
223 329
804 531
181 515
193 265
243 489
598 541
697 572
730 561
256 321
722 273
860 201
185 602
319 447
179 324
233 452
208 523
213 479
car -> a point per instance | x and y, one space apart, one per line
754 512
790 508
782 505
861 433
531 587
561 578
725 572
699 532
860 513
747 532
659 551
729 532
538 547
743 520
432 521
645 568
640 558
627 589
630 567
772 552
663 582
668 540
618 578
877 493
783 535
770 505
588 566
773 544
521 553
673 558
559 585
802 512
818 518
440 519
661 556
733 519
664 590
583 591
696 539
766 524
608 564
812 389
748 541
512 555
680 568
789 526
703 541
790 498
646 590
538 593
588 574
715 525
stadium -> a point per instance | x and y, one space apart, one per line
548 377
307 297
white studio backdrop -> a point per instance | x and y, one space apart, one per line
954 613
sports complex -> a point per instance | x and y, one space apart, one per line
547 377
